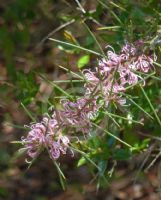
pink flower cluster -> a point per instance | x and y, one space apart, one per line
109 80
116 72
78 114
46 135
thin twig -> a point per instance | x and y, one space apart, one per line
54 31
80 6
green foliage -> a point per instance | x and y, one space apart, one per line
122 154
84 60
27 87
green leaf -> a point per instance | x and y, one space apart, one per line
83 61
141 146
81 161
122 154
102 166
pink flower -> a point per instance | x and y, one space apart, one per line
127 76
129 49
144 63
104 66
46 135
57 145
54 150
112 88
124 57
111 92
64 143
113 59
92 81
139 43
35 140
77 113
90 76
51 124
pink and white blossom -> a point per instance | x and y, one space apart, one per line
106 82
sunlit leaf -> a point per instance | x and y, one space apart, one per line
84 60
